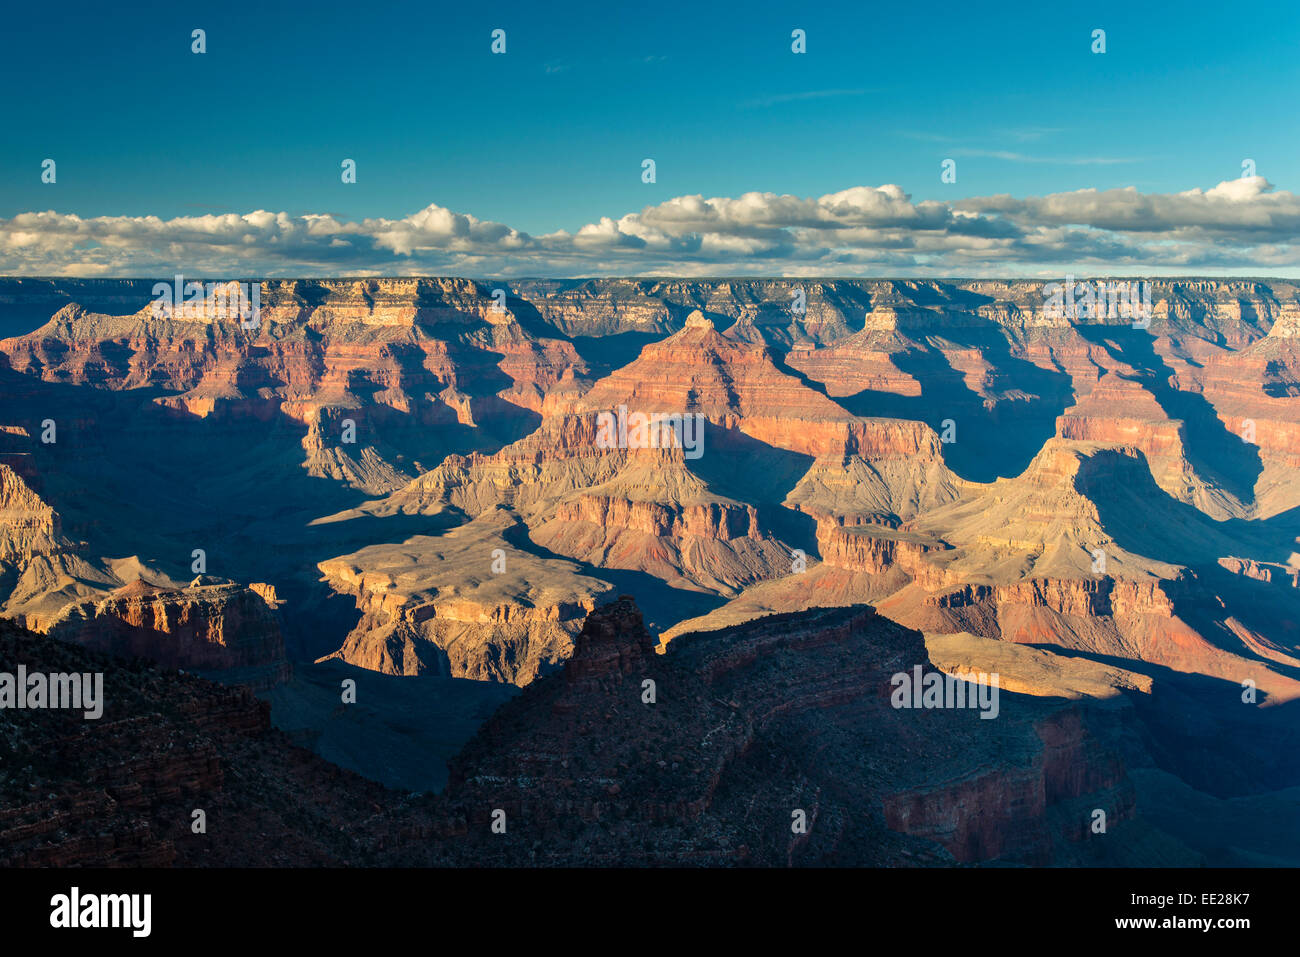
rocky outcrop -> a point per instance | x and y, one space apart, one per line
742 746
225 630
1004 813
872 549
122 790
735 385
714 546
41 569
28 526
397 358
686 738
469 604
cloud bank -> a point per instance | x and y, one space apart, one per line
1241 226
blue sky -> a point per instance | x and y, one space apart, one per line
551 135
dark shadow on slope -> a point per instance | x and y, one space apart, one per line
778 360
605 354
528 317
1269 609
741 467
1198 729
132 478
792 528
662 605
994 438
1145 520
1214 452
1280 382
402 729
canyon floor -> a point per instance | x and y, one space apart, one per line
400 485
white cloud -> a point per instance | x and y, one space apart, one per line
1241 225
1239 208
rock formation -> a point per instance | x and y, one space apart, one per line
224 630
467 604
975 467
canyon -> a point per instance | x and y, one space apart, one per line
400 477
